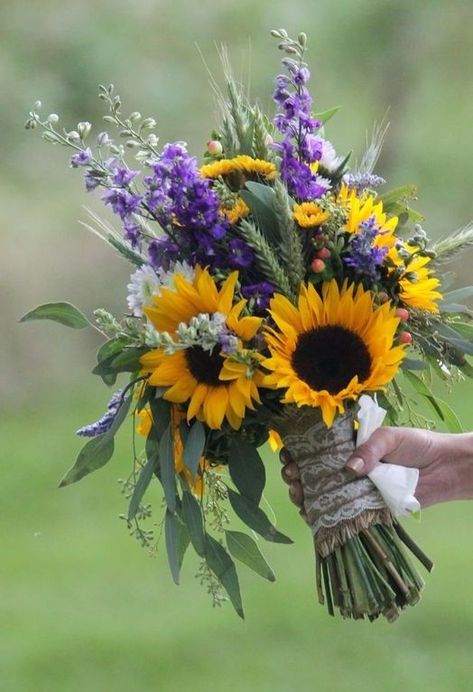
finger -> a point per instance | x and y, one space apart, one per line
284 456
368 455
290 473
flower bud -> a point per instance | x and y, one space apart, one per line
37 105
403 314
317 266
405 338
148 124
214 147
383 297
135 116
53 118
73 135
84 129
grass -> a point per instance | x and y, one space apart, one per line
84 607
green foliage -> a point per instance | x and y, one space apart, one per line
245 549
254 517
99 450
246 469
64 313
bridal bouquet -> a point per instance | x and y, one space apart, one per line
274 290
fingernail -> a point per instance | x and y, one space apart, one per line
289 472
356 464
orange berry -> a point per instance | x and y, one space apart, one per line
317 266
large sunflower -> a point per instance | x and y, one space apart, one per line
331 348
215 384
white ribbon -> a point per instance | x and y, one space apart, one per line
396 484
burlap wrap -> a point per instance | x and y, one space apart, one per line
337 505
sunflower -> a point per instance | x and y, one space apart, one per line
242 164
418 285
331 348
366 208
215 384
309 214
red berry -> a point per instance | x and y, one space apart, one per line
403 314
214 147
323 253
405 338
317 266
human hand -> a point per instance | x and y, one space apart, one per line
445 462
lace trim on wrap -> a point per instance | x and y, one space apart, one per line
337 505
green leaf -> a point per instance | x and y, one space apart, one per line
449 417
98 451
443 411
260 200
192 516
111 348
141 486
325 116
160 413
222 565
458 294
246 469
194 447
245 549
177 540
167 468
128 360
64 313
255 518
95 454
412 364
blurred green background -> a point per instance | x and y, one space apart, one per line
82 605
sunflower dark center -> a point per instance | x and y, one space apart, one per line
205 366
329 357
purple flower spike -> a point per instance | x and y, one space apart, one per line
103 424
82 158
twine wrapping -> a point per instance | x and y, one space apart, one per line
337 505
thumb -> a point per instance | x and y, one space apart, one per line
368 455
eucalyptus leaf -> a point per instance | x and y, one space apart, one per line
449 417
254 517
98 451
412 364
95 454
167 468
422 389
64 313
260 200
245 549
457 295
160 414
177 540
222 565
192 516
128 360
194 447
141 486
246 469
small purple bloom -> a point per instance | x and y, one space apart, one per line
240 255
365 258
92 180
103 424
122 202
82 158
360 181
123 176
162 253
260 293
